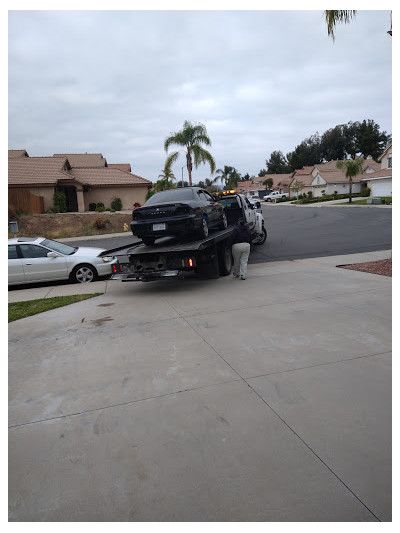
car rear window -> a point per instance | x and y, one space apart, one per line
172 195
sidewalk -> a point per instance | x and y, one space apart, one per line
224 400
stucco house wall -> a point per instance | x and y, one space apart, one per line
128 196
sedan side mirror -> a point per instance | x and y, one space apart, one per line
52 254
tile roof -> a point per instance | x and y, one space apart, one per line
31 171
337 176
383 173
303 171
305 179
84 160
122 166
17 153
107 177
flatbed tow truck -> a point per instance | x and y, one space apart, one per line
170 257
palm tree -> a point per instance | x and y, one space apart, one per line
223 174
332 17
191 137
167 174
353 167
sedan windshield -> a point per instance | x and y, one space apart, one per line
58 247
171 195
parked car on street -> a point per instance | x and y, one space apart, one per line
184 212
37 259
255 200
274 195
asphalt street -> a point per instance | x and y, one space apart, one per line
304 232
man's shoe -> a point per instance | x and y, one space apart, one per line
242 277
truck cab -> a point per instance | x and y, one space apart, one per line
238 206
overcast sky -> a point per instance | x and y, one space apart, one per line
119 82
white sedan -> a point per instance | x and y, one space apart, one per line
36 259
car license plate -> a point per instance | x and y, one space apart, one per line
159 227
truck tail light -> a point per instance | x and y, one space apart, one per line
189 262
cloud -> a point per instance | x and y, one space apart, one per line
119 82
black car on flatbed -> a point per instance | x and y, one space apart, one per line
179 212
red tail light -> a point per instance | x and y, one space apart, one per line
189 262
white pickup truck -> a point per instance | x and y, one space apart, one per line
274 195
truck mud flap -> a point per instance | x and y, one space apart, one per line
208 265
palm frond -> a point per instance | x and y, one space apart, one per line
335 16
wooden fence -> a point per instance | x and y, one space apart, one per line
23 200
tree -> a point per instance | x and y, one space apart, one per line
352 167
350 133
223 174
167 174
370 140
262 173
333 144
229 176
234 178
297 186
307 153
277 163
191 137
333 17
268 183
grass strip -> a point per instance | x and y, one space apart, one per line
17 310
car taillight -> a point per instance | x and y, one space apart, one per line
182 210
116 268
189 262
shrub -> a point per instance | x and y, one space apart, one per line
366 192
100 204
99 222
150 194
100 209
59 202
92 206
116 204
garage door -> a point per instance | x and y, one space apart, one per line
381 187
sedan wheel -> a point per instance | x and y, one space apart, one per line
224 221
204 229
83 274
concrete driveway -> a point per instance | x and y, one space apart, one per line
224 400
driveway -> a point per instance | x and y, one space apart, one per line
222 400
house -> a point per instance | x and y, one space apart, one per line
252 187
325 179
301 181
380 181
255 187
84 178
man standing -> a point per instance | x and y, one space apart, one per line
240 240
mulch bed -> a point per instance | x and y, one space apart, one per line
382 267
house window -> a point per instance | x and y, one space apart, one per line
390 161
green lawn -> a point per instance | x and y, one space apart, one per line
17 310
388 199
